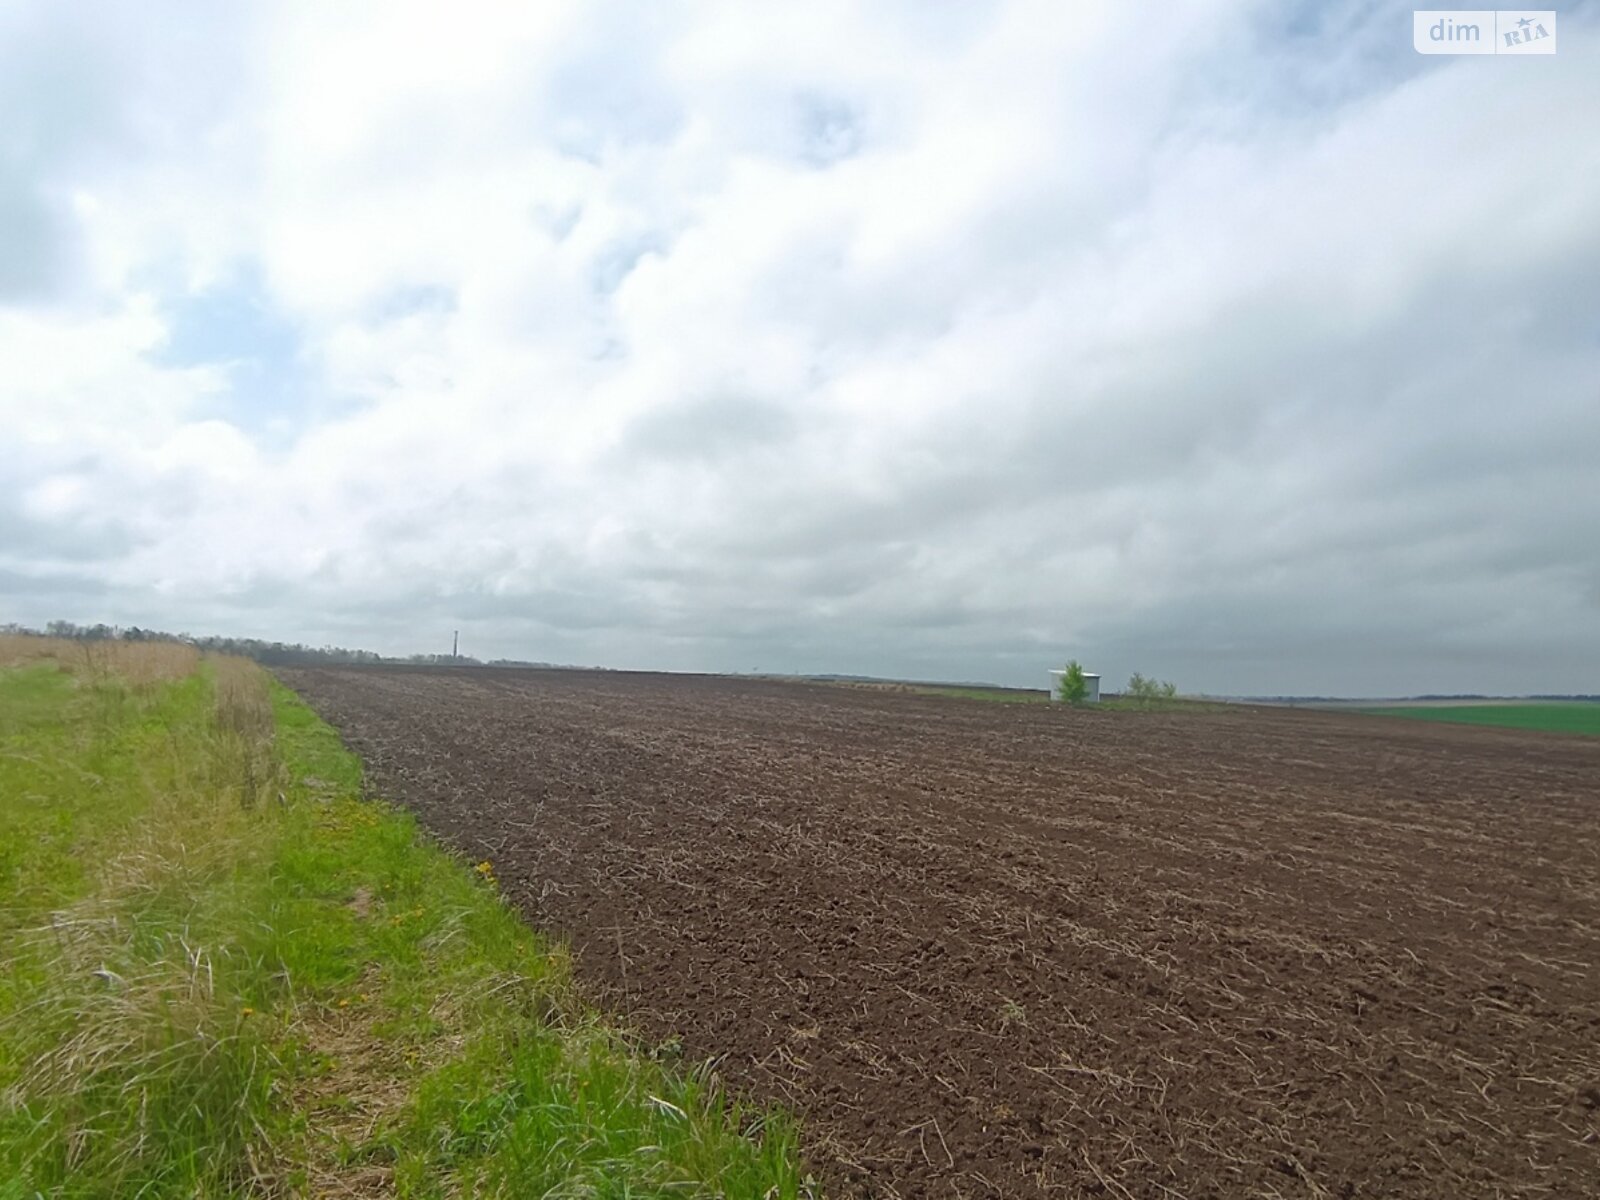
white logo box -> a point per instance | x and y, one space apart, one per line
1484 31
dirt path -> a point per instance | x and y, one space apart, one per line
1009 951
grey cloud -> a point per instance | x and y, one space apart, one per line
95 540
613 264
705 430
94 533
1181 399
607 92
79 96
35 597
407 301
35 250
829 130
60 107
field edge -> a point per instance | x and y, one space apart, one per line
293 989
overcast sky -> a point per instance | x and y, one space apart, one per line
1232 342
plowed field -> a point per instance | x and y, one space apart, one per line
994 950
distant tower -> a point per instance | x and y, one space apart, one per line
455 645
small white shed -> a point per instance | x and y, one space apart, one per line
1092 696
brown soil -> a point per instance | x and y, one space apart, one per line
993 950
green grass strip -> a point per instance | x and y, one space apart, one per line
1548 718
225 973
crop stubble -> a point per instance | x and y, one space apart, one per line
997 951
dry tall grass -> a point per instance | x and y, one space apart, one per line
21 649
246 749
140 664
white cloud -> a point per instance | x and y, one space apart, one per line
927 339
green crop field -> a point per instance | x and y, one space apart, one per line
224 971
1572 717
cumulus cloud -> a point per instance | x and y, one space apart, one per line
1235 343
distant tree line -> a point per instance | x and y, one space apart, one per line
273 654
